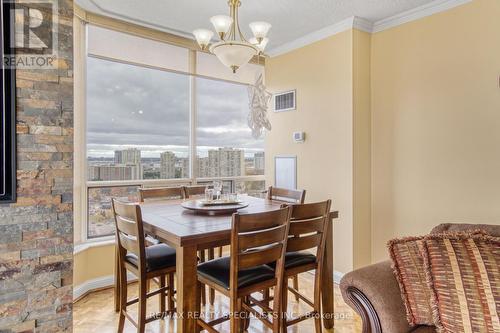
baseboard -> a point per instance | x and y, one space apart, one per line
97 284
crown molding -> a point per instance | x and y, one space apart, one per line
362 24
428 9
313 37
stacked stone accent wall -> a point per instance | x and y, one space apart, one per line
36 233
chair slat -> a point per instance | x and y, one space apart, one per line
309 210
257 239
194 190
307 226
260 257
286 195
126 226
161 193
130 244
252 222
303 243
125 210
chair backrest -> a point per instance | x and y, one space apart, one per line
308 226
285 195
161 193
194 190
258 239
129 230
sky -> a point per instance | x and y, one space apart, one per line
131 106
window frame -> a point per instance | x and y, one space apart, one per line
81 141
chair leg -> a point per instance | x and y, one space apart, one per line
220 251
123 297
171 290
211 291
317 303
246 321
296 286
235 313
266 294
198 328
202 288
284 306
162 296
141 320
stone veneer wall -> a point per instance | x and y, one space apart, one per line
36 233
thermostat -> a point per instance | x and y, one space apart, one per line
299 136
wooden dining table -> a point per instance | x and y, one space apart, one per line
188 232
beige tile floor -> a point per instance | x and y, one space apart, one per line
95 313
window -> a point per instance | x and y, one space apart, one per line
139 131
225 146
137 122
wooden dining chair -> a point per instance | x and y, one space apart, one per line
308 227
286 196
161 193
194 190
256 240
156 261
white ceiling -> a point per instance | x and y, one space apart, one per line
291 19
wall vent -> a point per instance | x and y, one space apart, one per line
284 101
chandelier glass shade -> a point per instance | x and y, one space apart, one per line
233 49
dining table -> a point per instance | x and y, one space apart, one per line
189 232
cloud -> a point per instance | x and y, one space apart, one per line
132 106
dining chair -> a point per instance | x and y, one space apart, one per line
158 193
256 240
194 190
171 193
156 261
287 196
307 232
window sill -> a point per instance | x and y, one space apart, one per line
93 243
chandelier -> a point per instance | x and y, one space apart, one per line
233 50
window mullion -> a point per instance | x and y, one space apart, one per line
192 115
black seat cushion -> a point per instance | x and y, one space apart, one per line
218 271
158 256
295 259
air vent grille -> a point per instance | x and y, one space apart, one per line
284 101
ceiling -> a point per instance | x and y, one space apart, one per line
291 19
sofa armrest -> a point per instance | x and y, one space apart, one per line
373 292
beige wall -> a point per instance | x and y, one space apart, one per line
322 75
93 263
361 149
436 122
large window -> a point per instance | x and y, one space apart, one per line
137 122
149 122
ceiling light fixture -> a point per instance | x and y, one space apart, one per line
233 50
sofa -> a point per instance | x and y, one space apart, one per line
373 291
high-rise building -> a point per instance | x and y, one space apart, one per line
226 162
130 157
167 165
259 161
183 165
112 172
203 167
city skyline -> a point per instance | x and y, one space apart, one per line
128 164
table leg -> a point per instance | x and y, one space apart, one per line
117 280
187 304
327 288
